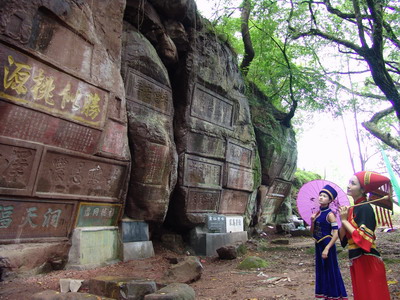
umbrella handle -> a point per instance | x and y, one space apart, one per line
367 202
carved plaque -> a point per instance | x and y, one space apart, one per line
276 194
18 164
239 155
216 223
151 167
202 144
202 172
238 178
148 92
202 200
69 175
234 224
211 107
115 138
233 202
34 220
26 124
97 214
28 82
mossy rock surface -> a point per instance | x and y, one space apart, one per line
252 262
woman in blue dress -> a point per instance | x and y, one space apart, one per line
328 279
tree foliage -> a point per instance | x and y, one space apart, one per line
336 56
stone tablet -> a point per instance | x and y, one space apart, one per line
233 202
211 107
202 172
27 124
148 92
19 161
234 224
69 175
31 83
21 220
202 200
216 223
238 154
97 214
238 178
201 144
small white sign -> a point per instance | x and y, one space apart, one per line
234 224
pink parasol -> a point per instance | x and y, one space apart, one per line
308 203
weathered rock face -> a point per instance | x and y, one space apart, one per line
175 128
64 156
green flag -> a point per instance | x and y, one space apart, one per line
393 179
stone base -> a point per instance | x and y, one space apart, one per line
137 250
93 247
206 244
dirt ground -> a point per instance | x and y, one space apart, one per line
289 275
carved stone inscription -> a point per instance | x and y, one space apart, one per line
18 164
201 200
210 107
31 83
205 145
114 138
202 172
148 92
238 178
275 196
73 176
26 124
24 219
98 214
153 164
233 202
238 154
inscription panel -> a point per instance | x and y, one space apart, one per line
72 176
155 160
238 178
18 164
202 200
202 172
114 140
28 82
97 214
34 220
276 194
26 124
205 145
234 224
233 202
148 92
216 223
238 154
211 107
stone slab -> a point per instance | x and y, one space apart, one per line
234 224
137 250
216 223
238 178
93 247
72 175
233 202
40 86
134 231
202 172
239 154
206 244
202 200
98 214
19 161
33 220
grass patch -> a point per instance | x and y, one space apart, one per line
391 261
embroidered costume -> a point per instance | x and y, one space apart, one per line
328 279
367 269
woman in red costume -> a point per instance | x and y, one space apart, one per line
367 269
